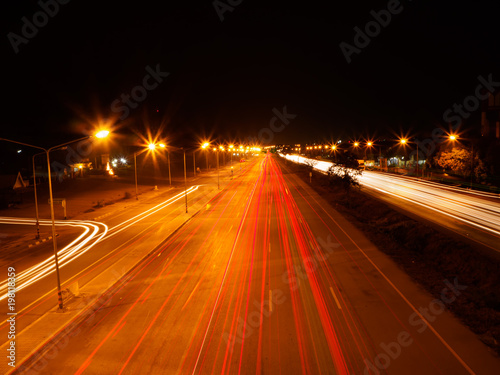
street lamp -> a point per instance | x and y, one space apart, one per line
205 147
151 147
100 134
334 149
404 142
369 144
217 156
223 155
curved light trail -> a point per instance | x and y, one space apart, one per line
93 232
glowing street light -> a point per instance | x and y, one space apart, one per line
102 134
205 147
151 147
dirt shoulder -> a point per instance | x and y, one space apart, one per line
426 254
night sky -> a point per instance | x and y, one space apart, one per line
225 77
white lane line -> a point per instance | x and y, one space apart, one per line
335 297
270 301
228 264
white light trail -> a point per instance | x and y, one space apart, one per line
93 232
471 207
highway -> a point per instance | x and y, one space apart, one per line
472 214
268 278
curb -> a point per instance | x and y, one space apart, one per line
42 241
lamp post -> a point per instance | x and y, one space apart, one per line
205 146
152 147
217 157
101 134
185 181
135 174
36 198
231 151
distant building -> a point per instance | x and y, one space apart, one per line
490 116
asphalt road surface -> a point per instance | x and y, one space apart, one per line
268 278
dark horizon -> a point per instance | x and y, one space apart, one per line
225 78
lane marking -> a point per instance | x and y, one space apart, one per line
403 297
335 297
228 264
270 301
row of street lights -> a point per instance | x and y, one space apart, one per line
103 134
402 141
204 146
